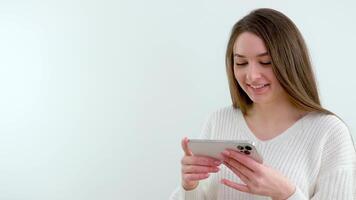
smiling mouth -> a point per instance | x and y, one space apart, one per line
258 86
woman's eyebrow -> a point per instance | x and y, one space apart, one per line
259 55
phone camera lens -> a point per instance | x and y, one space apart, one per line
240 147
247 152
248 148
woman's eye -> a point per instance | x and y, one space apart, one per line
241 64
266 63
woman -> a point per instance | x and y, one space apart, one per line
308 151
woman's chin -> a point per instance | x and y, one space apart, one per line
260 99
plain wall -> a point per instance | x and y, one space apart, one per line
96 95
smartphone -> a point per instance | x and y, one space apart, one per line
214 148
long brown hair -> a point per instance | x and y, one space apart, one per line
290 59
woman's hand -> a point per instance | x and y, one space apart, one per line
258 178
196 168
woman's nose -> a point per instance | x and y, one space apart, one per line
253 72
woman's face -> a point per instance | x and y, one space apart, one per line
253 70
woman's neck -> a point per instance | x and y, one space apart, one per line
268 121
272 113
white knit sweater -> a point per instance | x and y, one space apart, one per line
316 153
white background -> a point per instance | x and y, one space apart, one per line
96 95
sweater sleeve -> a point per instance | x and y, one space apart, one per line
199 193
336 185
337 175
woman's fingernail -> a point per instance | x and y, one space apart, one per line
226 153
217 162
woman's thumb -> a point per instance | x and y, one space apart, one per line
185 147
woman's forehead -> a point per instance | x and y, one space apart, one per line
249 45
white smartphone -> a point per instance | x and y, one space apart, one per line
214 148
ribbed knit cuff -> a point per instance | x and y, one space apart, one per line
297 195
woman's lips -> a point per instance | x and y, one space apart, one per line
258 89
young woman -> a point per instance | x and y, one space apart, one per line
308 152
